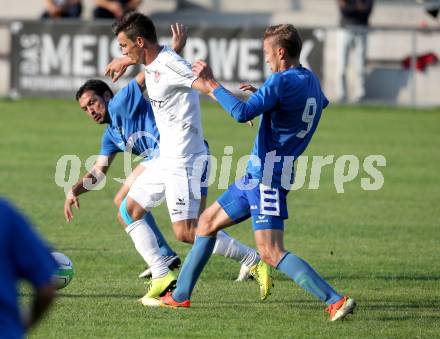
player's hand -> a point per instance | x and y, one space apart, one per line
205 82
71 199
179 37
250 123
202 70
247 87
117 67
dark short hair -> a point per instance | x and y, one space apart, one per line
97 86
287 37
135 24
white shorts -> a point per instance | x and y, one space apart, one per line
177 182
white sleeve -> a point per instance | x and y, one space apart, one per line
180 74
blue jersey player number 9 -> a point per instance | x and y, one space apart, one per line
308 116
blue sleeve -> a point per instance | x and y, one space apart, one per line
33 260
108 146
125 102
261 101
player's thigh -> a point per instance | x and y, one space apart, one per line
125 188
148 189
268 207
182 202
213 219
134 209
234 202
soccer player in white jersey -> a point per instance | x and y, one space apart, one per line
128 117
176 174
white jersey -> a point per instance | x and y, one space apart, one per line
175 105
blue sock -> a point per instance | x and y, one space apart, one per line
193 266
165 249
306 277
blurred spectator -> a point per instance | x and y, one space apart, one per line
62 9
23 255
114 9
352 36
432 7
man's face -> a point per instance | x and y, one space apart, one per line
130 48
271 54
94 105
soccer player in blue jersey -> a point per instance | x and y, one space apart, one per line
125 114
289 104
23 255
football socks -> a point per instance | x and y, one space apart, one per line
192 267
164 248
231 248
146 244
306 277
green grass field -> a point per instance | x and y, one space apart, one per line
380 247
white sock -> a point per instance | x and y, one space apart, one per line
146 245
231 248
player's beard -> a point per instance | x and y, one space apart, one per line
106 119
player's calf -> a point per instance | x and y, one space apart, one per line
185 230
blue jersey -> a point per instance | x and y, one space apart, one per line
132 126
23 255
290 103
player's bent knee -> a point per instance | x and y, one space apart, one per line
206 226
121 220
135 211
117 200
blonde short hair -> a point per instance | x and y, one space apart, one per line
287 37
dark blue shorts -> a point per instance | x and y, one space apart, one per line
203 188
205 174
267 206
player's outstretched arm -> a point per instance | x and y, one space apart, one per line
207 84
86 183
117 67
248 87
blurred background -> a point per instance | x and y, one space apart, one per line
45 54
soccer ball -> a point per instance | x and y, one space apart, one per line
64 274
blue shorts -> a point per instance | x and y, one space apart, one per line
204 188
205 174
267 206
